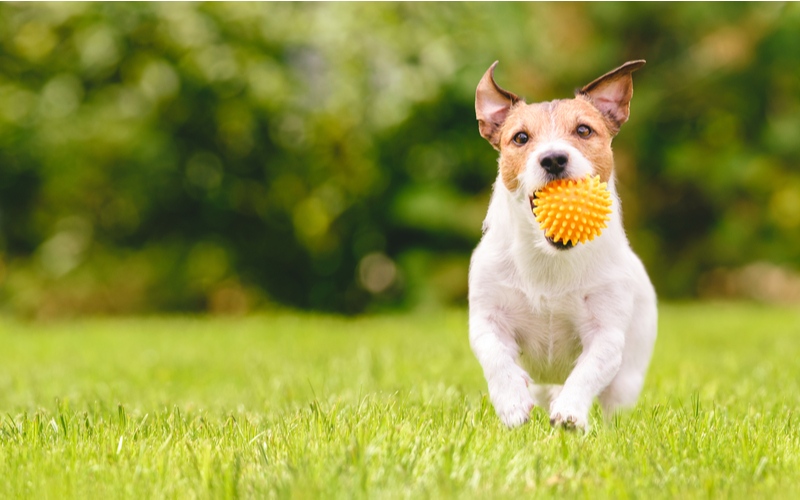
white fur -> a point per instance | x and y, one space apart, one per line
557 328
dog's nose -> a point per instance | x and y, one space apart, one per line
554 162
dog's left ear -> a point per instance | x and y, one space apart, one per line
612 92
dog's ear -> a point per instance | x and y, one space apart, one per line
492 104
612 92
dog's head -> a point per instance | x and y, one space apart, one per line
567 138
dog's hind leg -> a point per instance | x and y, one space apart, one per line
544 394
624 389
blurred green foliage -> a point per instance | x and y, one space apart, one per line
182 156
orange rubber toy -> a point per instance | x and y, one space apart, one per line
573 211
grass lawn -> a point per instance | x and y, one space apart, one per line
300 406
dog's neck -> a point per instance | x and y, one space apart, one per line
514 232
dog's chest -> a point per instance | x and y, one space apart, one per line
548 339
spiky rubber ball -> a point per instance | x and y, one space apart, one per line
573 211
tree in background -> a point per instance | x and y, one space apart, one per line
326 156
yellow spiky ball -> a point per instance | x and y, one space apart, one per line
572 211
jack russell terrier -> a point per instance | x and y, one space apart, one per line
552 324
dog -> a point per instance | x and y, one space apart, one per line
556 325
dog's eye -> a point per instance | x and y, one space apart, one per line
583 131
521 138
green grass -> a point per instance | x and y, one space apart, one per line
300 406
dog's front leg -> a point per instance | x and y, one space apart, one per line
596 367
497 352
603 337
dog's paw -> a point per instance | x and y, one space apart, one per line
569 417
514 409
512 401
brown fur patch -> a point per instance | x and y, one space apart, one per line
550 121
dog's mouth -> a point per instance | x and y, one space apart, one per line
558 245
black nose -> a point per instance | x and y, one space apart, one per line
554 162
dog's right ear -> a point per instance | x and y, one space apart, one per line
492 104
